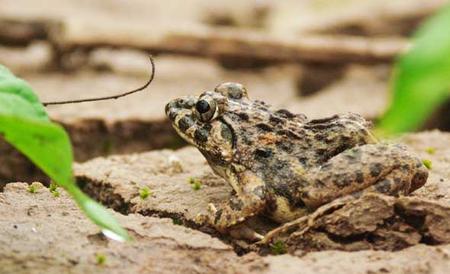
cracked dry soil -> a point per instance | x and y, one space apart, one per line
40 233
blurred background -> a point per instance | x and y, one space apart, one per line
317 57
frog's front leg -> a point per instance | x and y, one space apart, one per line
250 201
384 168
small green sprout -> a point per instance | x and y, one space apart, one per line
196 186
107 147
278 248
144 192
52 186
431 150
100 258
177 221
195 183
55 193
32 188
54 189
427 163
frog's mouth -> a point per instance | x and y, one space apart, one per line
214 138
180 113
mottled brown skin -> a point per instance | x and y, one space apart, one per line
282 164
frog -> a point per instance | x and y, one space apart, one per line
283 165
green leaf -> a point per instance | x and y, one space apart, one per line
25 125
15 105
421 81
46 144
17 98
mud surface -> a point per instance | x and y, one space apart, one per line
43 233
313 57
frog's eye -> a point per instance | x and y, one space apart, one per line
202 106
206 109
232 90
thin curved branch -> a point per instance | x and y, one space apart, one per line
152 75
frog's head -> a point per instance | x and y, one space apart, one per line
201 121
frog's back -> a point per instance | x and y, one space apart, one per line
280 147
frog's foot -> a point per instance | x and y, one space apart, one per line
303 224
286 229
329 208
238 231
208 218
242 231
201 219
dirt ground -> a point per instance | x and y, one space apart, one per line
315 57
43 233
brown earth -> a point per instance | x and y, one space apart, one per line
41 233
31 223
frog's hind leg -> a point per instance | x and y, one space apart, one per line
393 184
383 168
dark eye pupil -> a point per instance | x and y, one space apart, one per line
202 106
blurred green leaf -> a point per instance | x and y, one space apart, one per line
25 125
18 99
421 80
43 142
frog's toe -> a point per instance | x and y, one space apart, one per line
244 232
201 219
212 209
